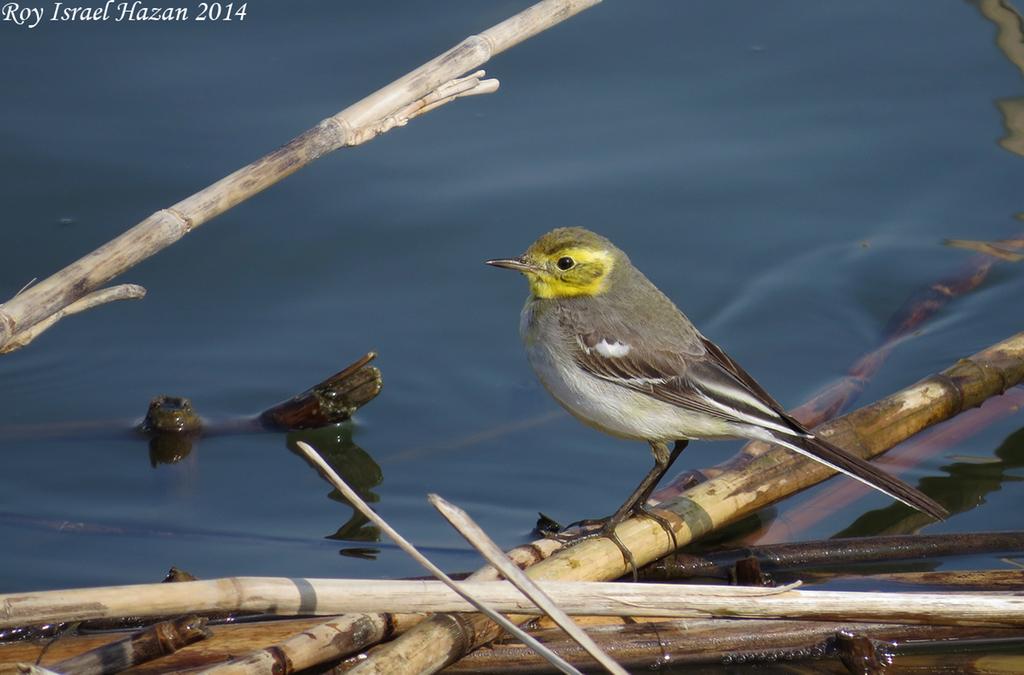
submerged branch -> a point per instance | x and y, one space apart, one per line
334 400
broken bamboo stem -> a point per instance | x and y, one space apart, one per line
84 302
154 642
326 641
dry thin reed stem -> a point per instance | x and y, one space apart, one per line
433 84
476 536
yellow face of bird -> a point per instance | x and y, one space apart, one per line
565 263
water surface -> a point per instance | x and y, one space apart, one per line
787 172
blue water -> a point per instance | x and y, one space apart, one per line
786 171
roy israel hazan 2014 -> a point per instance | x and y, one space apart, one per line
32 16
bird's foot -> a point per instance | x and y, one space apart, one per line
645 511
593 528
577 532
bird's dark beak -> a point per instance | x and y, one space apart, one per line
517 264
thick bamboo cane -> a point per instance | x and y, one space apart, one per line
433 84
765 479
580 598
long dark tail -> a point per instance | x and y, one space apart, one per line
864 471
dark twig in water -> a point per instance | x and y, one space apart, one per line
173 425
795 556
334 400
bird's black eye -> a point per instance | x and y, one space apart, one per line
565 263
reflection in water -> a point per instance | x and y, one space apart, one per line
997 249
1010 40
1009 27
963 489
1012 110
169 448
173 424
357 467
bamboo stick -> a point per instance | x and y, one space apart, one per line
327 641
952 580
227 641
333 639
151 643
334 596
650 646
637 644
767 478
435 83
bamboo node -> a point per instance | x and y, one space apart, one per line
481 39
950 384
177 215
282 664
7 326
338 130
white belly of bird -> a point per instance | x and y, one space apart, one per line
616 409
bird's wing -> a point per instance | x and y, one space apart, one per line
711 383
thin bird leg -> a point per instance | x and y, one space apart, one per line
635 505
637 502
641 507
